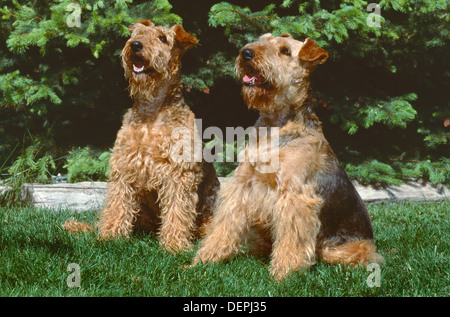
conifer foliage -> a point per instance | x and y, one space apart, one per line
382 95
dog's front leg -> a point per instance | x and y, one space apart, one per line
229 226
178 200
119 215
295 229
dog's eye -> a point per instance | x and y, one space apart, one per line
285 51
163 39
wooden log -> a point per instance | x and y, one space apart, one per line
405 192
91 195
77 197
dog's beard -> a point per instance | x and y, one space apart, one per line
257 91
146 87
144 81
259 98
271 98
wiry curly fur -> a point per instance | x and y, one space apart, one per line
307 208
148 188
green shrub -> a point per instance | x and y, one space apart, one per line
87 165
384 87
381 95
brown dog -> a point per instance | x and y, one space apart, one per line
149 188
307 208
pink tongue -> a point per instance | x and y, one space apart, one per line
247 79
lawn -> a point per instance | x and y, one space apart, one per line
35 253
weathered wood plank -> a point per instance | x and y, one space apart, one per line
91 195
405 192
77 197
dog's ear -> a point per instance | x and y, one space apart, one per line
311 53
144 22
184 40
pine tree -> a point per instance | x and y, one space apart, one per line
61 72
382 95
385 79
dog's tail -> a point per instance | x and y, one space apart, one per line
74 226
352 253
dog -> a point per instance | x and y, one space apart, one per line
307 208
149 188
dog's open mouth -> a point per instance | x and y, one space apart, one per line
253 80
252 77
140 66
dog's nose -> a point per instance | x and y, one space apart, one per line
136 46
247 55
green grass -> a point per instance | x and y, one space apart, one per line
35 252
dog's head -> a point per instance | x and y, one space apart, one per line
152 55
275 70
